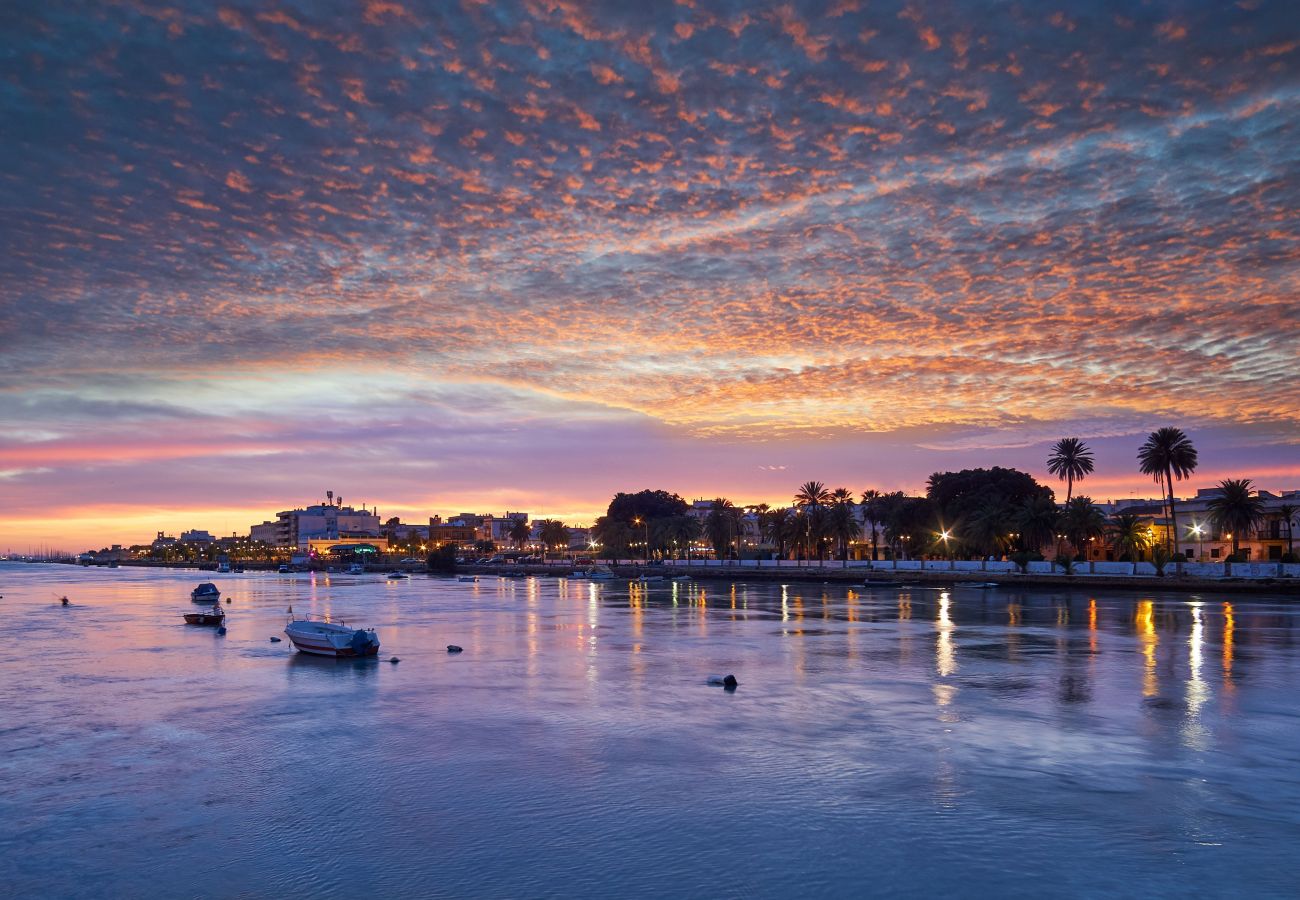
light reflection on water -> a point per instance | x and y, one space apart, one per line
886 741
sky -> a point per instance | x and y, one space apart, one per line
475 256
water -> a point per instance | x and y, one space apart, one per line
884 742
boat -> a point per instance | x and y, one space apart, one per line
238 570
646 579
206 593
215 616
600 573
395 575
978 584
284 569
223 568
680 578
870 583
356 569
472 579
330 639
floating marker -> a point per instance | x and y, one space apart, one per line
275 640
452 648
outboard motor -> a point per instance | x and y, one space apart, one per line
360 642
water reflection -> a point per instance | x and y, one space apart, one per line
1100 735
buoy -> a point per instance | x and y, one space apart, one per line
394 660
726 681
452 648
275 640
227 599
63 600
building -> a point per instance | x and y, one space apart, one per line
329 521
266 533
196 536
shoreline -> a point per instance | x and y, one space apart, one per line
852 577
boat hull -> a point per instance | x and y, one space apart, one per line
203 619
324 639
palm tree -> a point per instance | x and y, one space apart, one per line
817 525
1129 536
1168 454
778 527
986 531
1071 461
872 515
553 534
1287 511
1235 510
812 493
1037 519
722 525
520 532
1082 521
843 526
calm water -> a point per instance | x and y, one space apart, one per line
882 742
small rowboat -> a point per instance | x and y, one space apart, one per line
207 592
330 639
216 617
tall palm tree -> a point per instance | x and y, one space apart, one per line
1168 454
872 515
722 525
1235 510
843 526
1129 536
817 534
1071 461
1082 521
520 532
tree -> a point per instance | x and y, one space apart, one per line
1168 454
1287 511
1037 518
520 533
1129 536
778 527
613 531
817 531
843 525
553 534
722 525
1071 461
1235 510
812 493
1082 521
978 493
677 531
988 531
872 516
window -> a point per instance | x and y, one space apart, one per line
1214 553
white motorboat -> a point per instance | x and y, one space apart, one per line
647 579
330 639
223 568
356 569
471 579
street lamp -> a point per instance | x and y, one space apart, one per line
1200 540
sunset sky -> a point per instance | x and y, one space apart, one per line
478 256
